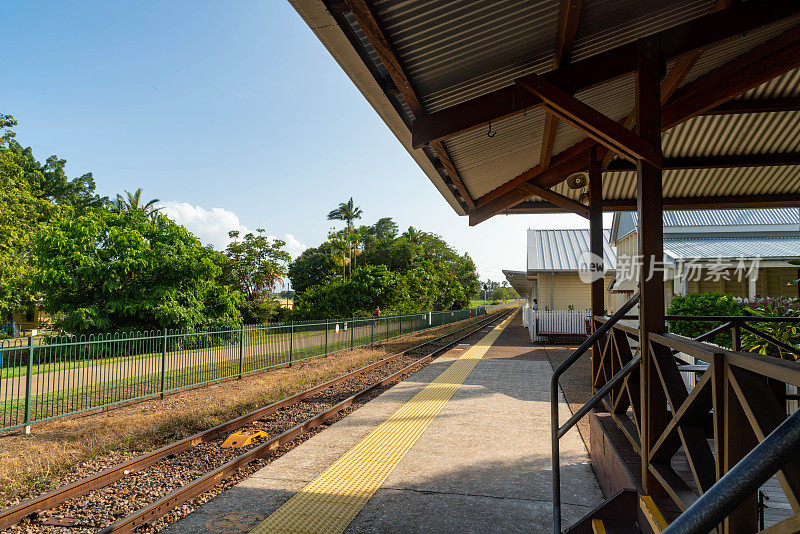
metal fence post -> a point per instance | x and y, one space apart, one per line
387 328
326 336
401 326
291 342
351 333
28 386
241 352
164 364
372 333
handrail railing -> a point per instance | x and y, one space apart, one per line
742 480
555 429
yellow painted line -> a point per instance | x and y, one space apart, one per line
598 527
652 513
330 502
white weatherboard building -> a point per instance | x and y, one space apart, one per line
554 258
745 253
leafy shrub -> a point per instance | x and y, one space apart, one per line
788 333
697 304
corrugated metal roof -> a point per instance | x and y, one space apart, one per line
755 220
605 24
475 46
775 248
561 250
483 161
520 282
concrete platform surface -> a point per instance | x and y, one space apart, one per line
482 465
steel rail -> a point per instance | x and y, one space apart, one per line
212 478
12 516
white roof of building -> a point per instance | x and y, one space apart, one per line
765 248
561 250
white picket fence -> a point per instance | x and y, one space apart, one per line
546 325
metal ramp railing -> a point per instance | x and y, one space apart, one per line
556 431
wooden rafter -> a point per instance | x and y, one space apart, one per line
569 156
699 33
773 58
599 127
685 63
557 199
368 21
716 162
751 69
788 200
674 77
768 105
553 175
568 17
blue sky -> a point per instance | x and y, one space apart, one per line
232 113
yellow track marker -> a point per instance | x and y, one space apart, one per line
330 502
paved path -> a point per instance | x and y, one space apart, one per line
481 465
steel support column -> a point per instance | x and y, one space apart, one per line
649 196
596 245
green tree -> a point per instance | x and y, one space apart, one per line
256 264
315 266
108 271
30 194
370 286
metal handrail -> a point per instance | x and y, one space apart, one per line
555 430
742 480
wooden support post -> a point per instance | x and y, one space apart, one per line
596 245
650 202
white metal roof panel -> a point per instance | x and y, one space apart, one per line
766 248
560 250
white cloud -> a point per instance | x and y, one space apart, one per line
293 246
212 226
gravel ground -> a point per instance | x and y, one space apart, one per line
102 507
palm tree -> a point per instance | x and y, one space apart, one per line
413 235
347 212
134 203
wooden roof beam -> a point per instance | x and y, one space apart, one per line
685 63
749 70
568 17
699 33
791 200
546 179
369 24
716 162
739 107
599 127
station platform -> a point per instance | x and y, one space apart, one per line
480 463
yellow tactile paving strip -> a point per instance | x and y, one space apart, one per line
330 502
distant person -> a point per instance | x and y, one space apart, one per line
377 312
535 305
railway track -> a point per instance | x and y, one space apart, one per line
137 493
